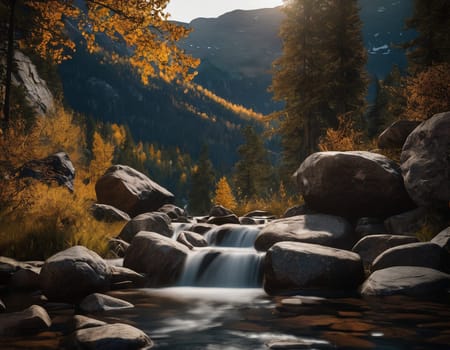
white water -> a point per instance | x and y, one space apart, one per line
232 235
229 262
222 267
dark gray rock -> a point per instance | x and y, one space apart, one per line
259 214
56 168
159 257
298 210
219 210
443 239
425 162
115 336
408 223
406 280
321 229
424 254
349 184
191 239
244 220
100 302
223 220
201 228
8 267
31 320
26 278
107 213
172 211
2 306
74 273
131 191
369 247
120 275
370 226
154 222
82 322
292 266
396 134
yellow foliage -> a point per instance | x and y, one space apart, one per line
224 195
119 134
428 93
344 138
103 152
140 24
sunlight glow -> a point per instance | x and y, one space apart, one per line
186 11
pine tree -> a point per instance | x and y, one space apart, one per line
224 195
253 171
431 19
202 184
320 74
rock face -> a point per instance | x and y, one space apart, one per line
26 278
406 280
172 211
115 336
369 247
31 320
321 229
131 191
219 210
74 273
293 266
100 302
154 222
369 226
107 213
159 257
55 168
425 254
407 223
348 184
396 134
425 162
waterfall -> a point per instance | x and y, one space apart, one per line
223 267
232 235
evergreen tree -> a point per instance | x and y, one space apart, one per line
431 19
320 74
253 170
202 184
224 195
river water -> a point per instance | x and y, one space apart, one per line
219 304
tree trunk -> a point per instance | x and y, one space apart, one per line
9 64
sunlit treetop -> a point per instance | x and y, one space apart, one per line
142 25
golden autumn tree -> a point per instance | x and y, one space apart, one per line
103 152
140 26
224 195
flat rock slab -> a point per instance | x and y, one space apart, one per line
292 266
443 239
29 321
369 247
406 280
82 322
328 230
116 336
97 302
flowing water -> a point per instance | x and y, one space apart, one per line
219 304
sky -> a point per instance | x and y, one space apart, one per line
187 10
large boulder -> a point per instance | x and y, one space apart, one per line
369 247
425 161
219 210
349 184
425 254
56 168
290 266
328 230
369 226
159 257
191 239
406 280
154 222
31 320
115 336
74 273
131 191
396 134
174 212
